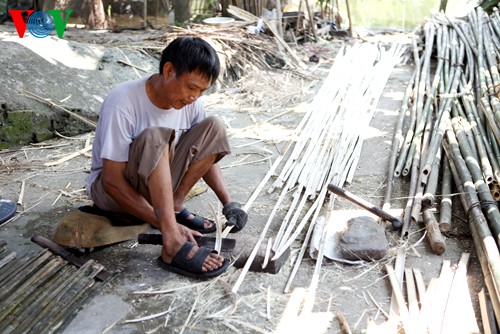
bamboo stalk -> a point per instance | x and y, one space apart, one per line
53 105
443 123
421 110
488 161
404 153
446 205
485 245
492 212
432 182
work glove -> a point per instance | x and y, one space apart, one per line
235 216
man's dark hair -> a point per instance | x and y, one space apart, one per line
191 54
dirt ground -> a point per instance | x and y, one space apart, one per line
259 304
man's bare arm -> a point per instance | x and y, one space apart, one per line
115 184
215 181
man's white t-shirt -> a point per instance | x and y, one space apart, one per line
125 113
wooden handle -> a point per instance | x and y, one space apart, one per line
65 254
434 235
396 222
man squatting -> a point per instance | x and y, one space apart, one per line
153 142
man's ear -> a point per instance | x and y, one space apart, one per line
168 69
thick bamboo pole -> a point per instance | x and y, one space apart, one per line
485 246
446 204
444 120
396 142
480 185
405 148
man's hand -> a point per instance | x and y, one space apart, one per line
235 216
189 234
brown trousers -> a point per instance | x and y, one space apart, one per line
203 140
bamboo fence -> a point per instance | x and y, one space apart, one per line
453 114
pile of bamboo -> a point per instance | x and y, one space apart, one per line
454 134
241 50
433 307
328 143
41 292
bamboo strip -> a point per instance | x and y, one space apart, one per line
45 309
440 297
17 279
459 302
411 293
26 308
426 302
6 258
487 315
69 157
30 286
67 299
402 308
261 185
309 299
53 105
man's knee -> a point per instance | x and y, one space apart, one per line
215 124
156 135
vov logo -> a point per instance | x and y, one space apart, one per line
40 24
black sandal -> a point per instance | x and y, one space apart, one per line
196 224
192 267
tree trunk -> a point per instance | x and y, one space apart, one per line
442 5
182 10
96 17
225 5
53 4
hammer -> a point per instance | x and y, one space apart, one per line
396 222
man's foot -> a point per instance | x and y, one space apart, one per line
193 261
195 222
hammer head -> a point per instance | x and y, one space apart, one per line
397 223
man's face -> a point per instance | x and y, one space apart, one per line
185 89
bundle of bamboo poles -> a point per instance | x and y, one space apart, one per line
241 49
41 292
454 134
328 143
